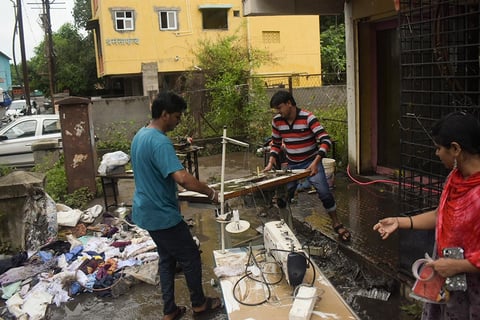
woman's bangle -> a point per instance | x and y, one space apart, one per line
411 222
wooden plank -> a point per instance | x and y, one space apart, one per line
247 185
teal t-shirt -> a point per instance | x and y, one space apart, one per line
155 203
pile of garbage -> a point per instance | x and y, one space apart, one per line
90 251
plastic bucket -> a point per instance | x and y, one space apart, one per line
329 166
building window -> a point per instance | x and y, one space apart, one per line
124 20
168 20
215 18
271 36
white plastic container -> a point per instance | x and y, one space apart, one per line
329 166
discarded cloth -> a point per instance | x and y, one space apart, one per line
67 216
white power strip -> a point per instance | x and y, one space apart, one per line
303 305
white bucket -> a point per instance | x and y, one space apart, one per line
329 166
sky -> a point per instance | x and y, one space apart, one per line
60 13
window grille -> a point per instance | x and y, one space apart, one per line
439 50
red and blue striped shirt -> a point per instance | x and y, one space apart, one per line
301 140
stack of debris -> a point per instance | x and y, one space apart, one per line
70 252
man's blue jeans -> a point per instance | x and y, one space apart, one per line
318 181
177 245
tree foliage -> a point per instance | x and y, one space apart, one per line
82 12
74 58
333 53
74 63
236 100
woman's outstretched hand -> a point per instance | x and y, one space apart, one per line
386 227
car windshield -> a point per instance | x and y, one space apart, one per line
22 130
17 105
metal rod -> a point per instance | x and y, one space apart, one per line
222 185
225 140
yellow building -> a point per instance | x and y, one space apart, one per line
145 45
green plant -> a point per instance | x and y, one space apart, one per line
118 136
79 198
233 97
56 181
333 54
334 119
56 187
4 170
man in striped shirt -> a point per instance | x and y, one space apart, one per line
305 142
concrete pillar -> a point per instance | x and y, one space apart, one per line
150 79
46 152
78 140
22 223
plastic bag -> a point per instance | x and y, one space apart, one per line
112 160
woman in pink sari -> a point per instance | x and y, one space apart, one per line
456 219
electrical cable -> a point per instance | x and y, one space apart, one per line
384 181
247 274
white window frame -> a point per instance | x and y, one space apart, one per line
171 17
128 22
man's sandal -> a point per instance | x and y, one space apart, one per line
211 304
342 232
177 314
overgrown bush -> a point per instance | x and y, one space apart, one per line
334 119
56 187
118 136
234 98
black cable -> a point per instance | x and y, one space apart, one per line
247 274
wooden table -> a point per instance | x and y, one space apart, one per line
274 301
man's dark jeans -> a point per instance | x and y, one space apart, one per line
177 245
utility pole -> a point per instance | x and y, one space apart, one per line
47 27
26 84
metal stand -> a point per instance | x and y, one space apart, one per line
225 140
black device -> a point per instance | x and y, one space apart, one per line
457 282
296 268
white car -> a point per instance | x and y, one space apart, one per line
18 108
17 137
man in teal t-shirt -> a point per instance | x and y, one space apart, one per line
157 171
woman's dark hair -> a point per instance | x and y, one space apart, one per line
280 97
460 127
168 101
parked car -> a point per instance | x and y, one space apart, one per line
18 108
17 137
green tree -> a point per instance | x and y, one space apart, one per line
334 63
75 63
82 13
236 99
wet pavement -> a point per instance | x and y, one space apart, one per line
364 270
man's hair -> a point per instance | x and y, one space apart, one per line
168 101
280 97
